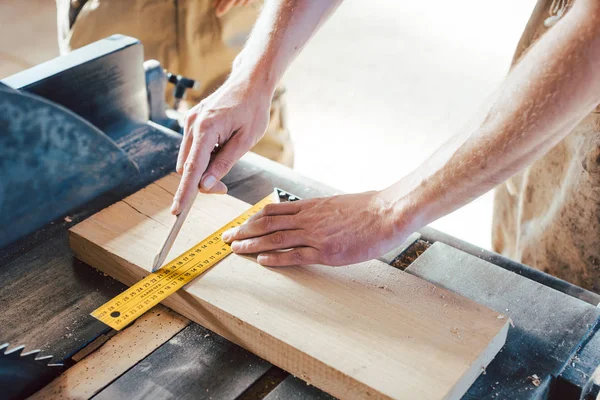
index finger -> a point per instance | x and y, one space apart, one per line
273 217
194 167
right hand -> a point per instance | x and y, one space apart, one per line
235 117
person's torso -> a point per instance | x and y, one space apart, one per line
548 216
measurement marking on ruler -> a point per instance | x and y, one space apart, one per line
172 278
151 290
176 271
175 280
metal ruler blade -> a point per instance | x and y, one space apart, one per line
125 308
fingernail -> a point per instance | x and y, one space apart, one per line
226 236
261 259
209 182
235 246
175 207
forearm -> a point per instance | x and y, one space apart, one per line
554 86
280 33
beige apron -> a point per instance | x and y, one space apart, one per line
548 216
186 37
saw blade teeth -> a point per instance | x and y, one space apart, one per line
3 347
58 365
31 354
44 358
29 357
15 351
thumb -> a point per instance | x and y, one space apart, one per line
222 162
218 188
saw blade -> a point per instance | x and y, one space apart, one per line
24 373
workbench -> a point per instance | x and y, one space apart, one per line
556 325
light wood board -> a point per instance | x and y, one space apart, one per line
120 353
362 331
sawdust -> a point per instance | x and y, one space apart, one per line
456 332
409 255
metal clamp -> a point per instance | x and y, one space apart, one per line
282 196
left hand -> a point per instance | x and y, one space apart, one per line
338 230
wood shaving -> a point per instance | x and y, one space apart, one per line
535 380
456 332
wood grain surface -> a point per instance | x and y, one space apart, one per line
362 331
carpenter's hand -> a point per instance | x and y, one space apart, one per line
336 230
235 117
222 6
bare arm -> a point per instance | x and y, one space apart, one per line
554 86
236 115
280 33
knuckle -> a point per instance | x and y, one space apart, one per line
190 165
206 124
278 238
244 245
269 208
297 257
267 222
331 249
239 233
222 165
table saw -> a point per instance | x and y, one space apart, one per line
90 128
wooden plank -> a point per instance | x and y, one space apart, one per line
41 266
359 331
549 325
116 356
195 361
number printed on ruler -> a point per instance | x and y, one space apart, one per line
142 296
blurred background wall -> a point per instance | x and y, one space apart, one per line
380 86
